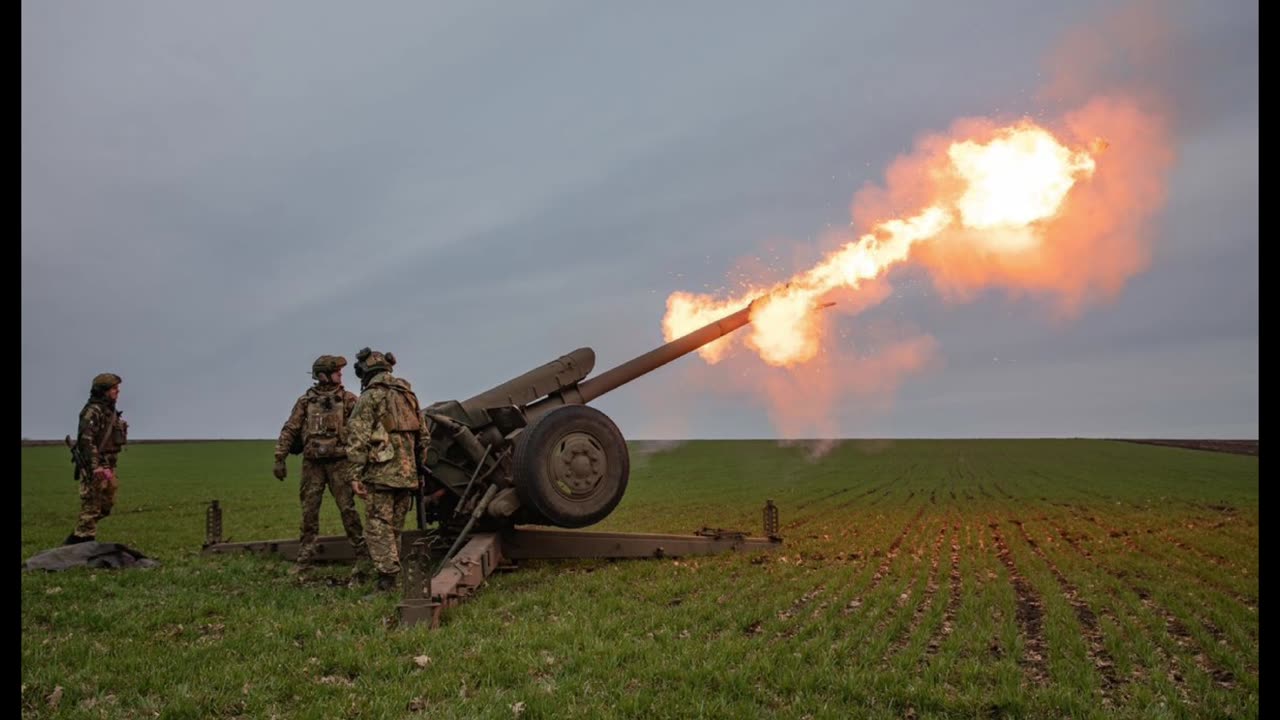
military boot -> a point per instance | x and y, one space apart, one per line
387 582
73 539
361 572
361 552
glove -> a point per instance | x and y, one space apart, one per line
280 470
103 475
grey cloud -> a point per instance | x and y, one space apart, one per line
215 194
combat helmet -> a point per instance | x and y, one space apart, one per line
326 365
368 361
103 382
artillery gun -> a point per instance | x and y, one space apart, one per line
529 451
553 459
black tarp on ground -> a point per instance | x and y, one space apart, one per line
89 554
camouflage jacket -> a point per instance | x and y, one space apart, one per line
102 434
386 435
316 424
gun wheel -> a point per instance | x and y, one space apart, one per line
571 466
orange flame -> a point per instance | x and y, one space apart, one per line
1092 244
993 194
1058 210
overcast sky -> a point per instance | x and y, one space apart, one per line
213 194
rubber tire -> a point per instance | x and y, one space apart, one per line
533 481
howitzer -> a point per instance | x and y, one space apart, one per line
526 452
552 459
81 469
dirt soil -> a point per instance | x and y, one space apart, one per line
1240 447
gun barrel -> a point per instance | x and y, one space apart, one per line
613 378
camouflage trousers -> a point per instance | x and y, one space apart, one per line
96 500
336 476
386 508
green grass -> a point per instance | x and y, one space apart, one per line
1157 546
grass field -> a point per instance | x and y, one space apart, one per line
919 579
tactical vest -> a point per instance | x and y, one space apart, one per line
114 433
119 435
322 427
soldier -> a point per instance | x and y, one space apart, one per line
314 429
386 441
101 436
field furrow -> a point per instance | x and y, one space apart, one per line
954 582
1099 656
1030 612
923 604
975 578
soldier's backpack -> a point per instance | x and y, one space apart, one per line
401 413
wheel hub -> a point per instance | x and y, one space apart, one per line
578 465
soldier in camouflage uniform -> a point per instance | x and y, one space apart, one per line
101 437
386 442
314 429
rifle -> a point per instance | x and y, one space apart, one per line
81 469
